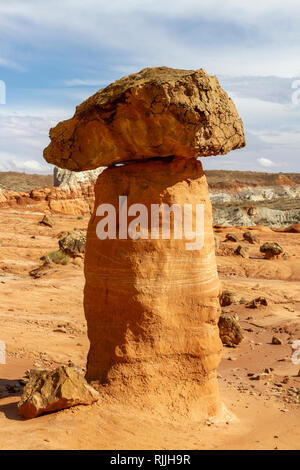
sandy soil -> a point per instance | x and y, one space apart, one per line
43 324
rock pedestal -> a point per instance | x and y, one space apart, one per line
151 301
152 306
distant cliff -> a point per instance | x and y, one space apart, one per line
238 198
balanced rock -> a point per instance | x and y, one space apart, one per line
157 112
151 296
53 390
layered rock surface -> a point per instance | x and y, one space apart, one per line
151 305
157 112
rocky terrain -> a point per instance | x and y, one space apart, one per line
43 325
143 352
238 198
249 198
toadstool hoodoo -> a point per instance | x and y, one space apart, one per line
151 296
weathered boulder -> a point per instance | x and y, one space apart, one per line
53 390
73 243
47 220
258 302
151 305
157 112
242 251
231 237
249 237
276 340
230 331
271 250
228 297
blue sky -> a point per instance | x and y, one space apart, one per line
54 54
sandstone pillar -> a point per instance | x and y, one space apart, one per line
152 306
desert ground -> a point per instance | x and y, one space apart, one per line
43 325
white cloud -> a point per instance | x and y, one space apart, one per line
86 82
266 162
31 166
241 36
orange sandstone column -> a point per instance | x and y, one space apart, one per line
152 305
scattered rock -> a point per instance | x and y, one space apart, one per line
53 390
249 237
41 271
271 250
258 302
47 220
228 297
231 237
60 329
242 251
262 376
73 243
230 330
276 340
285 379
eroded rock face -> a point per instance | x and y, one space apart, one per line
152 306
53 390
157 112
66 179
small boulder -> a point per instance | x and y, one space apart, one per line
42 270
53 390
271 250
228 297
230 330
276 340
73 243
262 376
47 220
242 251
250 238
231 237
258 302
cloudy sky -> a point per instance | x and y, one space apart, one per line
55 53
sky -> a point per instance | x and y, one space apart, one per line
56 53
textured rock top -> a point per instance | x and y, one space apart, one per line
157 112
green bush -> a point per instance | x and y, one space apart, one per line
58 257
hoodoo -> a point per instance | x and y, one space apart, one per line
151 304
